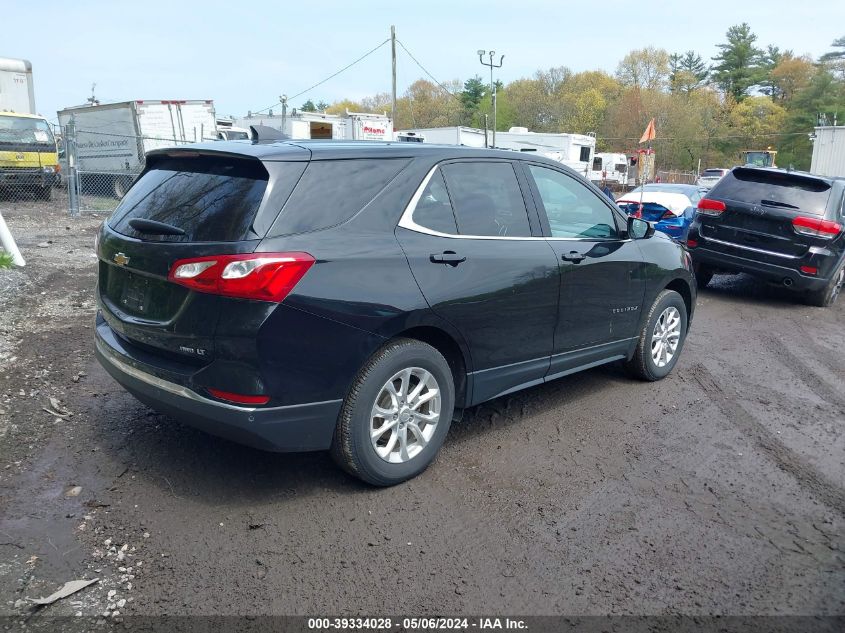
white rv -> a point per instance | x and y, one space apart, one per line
573 150
610 167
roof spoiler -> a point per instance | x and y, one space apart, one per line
259 133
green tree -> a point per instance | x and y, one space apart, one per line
308 106
686 72
471 96
321 106
738 62
834 55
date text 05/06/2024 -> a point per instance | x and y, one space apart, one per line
421 624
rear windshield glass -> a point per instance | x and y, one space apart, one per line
775 188
211 199
332 191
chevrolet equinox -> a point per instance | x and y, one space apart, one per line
356 297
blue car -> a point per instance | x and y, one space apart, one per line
671 206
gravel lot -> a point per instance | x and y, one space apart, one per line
720 490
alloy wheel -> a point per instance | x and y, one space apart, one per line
666 336
405 415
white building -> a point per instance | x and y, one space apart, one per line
353 126
574 150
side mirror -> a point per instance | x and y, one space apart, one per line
639 229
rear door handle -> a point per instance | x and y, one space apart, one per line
447 257
573 256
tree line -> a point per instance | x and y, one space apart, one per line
746 97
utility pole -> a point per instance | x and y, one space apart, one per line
481 54
393 61
284 100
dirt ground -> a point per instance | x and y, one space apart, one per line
720 490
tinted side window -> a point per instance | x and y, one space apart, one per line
211 199
782 189
487 199
434 210
572 209
332 191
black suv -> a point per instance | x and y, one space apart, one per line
303 296
782 226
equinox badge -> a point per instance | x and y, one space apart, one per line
120 259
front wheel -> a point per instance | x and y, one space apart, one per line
396 415
661 339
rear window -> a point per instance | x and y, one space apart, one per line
332 191
212 200
784 189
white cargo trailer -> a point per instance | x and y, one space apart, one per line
112 139
829 151
17 93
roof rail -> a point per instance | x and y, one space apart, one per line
261 133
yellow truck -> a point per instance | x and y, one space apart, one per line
28 157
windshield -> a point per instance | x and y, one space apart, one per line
17 130
759 159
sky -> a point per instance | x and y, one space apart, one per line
244 55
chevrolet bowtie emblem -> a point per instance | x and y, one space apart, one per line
120 259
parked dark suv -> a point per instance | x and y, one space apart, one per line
303 296
782 226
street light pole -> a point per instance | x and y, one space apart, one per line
492 65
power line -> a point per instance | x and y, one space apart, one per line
423 68
332 76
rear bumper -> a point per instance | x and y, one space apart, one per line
770 272
301 427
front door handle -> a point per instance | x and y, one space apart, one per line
573 256
447 257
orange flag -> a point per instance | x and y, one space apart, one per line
649 133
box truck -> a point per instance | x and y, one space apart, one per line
29 160
112 139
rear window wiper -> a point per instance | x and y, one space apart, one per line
775 203
154 228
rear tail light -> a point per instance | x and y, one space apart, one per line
259 276
816 227
237 397
692 243
710 207
809 270
668 216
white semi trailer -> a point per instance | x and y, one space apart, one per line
112 139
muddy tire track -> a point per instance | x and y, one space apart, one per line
787 459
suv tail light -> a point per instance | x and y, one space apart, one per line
710 207
668 216
816 227
259 276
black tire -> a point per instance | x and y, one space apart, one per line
703 275
642 365
352 447
828 295
120 187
